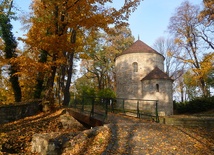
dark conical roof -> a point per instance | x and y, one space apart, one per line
156 73
139 47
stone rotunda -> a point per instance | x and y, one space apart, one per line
140 75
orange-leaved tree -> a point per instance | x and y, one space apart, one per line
58 27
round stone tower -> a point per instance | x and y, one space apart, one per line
140 75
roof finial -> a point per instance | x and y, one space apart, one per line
138 37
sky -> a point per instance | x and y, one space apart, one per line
149 21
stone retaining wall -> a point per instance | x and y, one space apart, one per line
9 113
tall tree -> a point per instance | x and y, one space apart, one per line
120 40
170 51
100 60
173 66
40 77
69 69
207 70
53 20
184 25
190 85
10 46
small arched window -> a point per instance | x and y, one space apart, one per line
135 66
157 87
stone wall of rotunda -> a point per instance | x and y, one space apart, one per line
128 79
161 90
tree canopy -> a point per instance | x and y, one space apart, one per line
66 30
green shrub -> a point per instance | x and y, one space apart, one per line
106 93
194 106
180 107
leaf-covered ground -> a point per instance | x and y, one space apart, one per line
134 136
121 135
15 137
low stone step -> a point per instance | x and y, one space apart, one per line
192 121
131 114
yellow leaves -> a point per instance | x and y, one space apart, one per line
189 39
188 61
29 67
178 41
1 44
208 60
68 15
208 10
169 53
7 96
2 60
4 137
190 79
84 56
28 70
207 64
193 76
93 141
3 134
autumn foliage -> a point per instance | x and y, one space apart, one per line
63 30
59 33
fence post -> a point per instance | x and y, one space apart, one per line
92 108
138 111
123 106
156 111
83 98
75 104
111 102
106 110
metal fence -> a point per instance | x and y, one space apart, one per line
99 107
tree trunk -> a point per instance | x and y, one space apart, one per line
15 84
203 88
40 77
68 82
182 91
49 95
70 70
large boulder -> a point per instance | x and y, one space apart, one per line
49 143
72 143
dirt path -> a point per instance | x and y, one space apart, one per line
135 136
120 135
